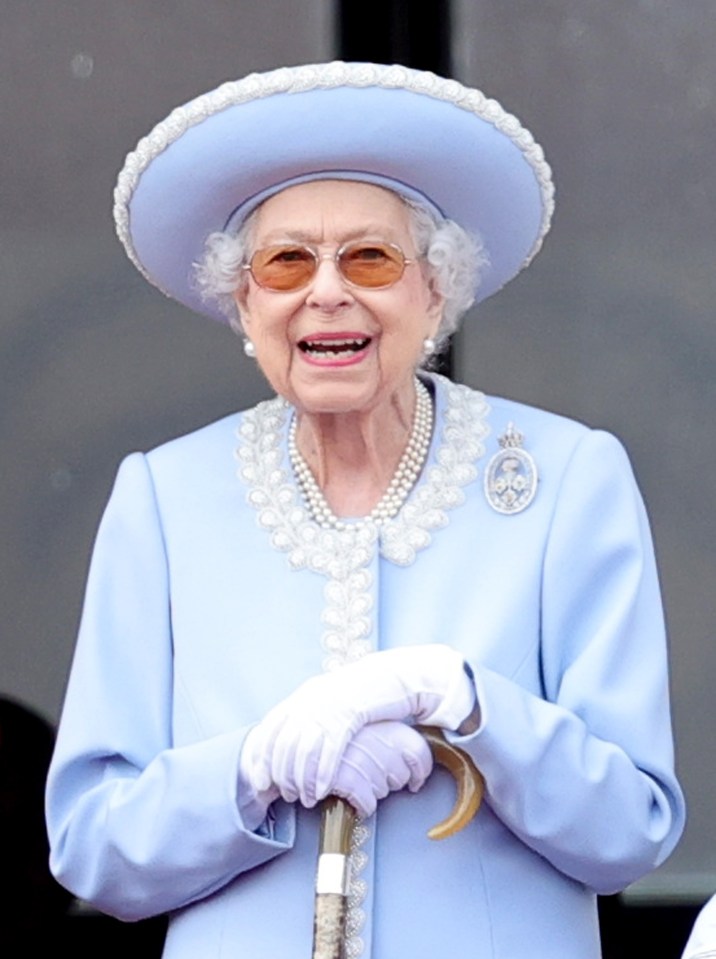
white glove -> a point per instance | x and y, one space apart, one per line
299 743
381 758
253 803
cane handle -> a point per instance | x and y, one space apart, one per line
469 782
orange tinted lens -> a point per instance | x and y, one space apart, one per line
371 264
283 268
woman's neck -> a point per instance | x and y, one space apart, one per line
354 456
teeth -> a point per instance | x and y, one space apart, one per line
338 348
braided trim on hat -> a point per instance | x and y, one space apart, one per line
325 76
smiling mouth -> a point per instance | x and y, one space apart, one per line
334 349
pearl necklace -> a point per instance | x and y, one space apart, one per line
404 478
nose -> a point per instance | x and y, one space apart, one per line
328 290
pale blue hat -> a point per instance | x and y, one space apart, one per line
213 160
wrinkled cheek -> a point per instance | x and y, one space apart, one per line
275 364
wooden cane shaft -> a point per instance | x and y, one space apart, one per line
329 924
333 878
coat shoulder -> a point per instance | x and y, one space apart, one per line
534 423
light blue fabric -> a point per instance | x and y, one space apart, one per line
194 626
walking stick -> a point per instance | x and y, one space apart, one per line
337 821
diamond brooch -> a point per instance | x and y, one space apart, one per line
511 475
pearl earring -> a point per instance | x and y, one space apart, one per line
429 346
249 348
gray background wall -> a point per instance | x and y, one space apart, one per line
613 324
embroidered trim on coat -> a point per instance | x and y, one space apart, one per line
344 556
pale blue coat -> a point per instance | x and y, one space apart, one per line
212 595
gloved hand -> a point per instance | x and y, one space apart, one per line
299 743
381 758
253 803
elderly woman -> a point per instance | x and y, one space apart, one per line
391 548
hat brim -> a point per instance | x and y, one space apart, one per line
213 160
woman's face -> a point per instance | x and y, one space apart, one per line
380 332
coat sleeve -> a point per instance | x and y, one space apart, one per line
137 825
584 773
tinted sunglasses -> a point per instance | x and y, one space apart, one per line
291 266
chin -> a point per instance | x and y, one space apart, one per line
335 399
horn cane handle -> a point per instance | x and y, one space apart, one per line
468 779
337 821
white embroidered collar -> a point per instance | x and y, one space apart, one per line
460 430
344 556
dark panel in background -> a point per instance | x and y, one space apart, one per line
397 31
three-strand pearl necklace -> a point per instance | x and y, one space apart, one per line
404 478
